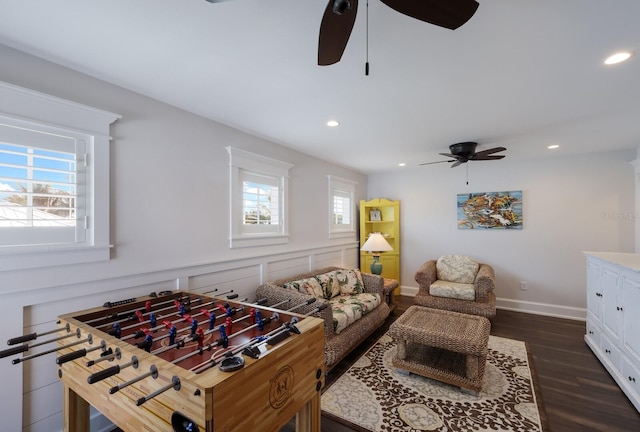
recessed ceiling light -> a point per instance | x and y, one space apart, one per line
553 146
333 123
617 57
401 164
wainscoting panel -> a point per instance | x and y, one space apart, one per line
241 280
36 380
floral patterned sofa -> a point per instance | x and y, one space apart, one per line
355 305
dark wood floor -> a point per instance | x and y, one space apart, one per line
577 392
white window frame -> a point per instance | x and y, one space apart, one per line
244 165
340 187
41 113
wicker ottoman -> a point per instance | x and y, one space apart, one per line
446 346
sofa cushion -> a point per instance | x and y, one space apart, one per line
349 281
310 286
347 309
457 268
461 291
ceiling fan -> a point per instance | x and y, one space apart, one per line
466 151
340 16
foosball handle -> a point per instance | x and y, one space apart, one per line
14 350
21 339
64 358
103 374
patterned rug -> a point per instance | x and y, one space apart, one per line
373 396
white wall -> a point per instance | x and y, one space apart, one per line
570 205
169 225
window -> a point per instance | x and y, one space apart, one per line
258 195
341 207
54 194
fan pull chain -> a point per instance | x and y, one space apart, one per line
467 165
366 65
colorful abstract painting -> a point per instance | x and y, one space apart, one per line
490 210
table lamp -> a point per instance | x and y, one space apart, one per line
375 244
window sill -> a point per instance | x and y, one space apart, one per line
37 257
262 240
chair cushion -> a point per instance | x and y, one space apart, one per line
454 290
347 309
457 268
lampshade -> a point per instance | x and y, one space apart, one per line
376 243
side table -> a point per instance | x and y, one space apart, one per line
389 286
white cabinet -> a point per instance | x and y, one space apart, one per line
613 317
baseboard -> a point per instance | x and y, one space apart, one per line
567 312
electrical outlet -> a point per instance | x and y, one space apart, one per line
523 285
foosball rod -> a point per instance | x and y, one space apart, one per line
305 303
153 372
111 371
106 357
159 318
175 384
26 347
89 340
118 321
129 311
34 336
207 332
79 353
183 329
275 316
233 351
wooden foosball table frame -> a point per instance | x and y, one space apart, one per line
264 395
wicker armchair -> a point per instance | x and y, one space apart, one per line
477 298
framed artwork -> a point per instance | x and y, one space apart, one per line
374 215
490 210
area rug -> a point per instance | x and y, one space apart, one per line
374 396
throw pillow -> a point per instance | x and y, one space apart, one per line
349 281
310 286
330 287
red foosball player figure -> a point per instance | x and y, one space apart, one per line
200 337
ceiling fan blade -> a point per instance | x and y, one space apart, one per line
448 155
449 14
431 163
488 157
488 152
335 29
457 163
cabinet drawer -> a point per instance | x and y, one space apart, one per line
631 375
593 333
611 352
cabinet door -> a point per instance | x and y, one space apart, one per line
594 294
631 317
611 302
389 265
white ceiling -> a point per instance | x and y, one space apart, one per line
520 74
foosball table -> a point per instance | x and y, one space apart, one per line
188 362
